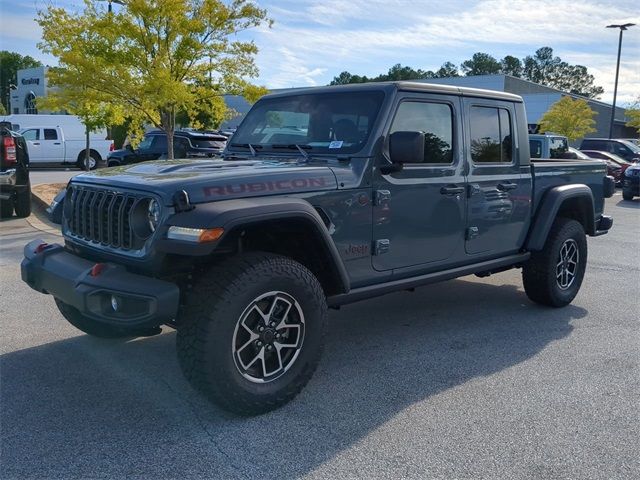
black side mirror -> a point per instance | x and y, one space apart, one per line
406 147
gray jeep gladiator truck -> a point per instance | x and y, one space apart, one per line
325 196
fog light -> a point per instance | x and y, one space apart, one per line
115 303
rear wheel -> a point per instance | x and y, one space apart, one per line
627 195
94 160
554 275
252 331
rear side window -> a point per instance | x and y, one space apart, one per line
435 120
558 147
160 143
594 145
491 135
50 134
535 146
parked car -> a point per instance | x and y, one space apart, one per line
382 194
55 145
624 149
631 182
610 157
15 188
186 144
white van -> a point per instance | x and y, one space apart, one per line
60 139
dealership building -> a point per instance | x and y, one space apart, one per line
32 84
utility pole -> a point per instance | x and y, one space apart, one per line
615 87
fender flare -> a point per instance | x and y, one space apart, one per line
549 208
234 214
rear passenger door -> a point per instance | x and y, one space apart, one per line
498 195
52 146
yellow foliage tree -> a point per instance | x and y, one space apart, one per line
568 117
633 114
155 58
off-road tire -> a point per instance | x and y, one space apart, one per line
627 195
539 273
22 203
89 326
6 208
208 320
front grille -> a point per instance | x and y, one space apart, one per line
103 217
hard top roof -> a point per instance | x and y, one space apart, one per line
401 86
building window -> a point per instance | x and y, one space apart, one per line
30 104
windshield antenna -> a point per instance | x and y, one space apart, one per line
301 150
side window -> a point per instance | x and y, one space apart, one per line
558 147
50 134
535 147
491 135
435 120
160 143
31 134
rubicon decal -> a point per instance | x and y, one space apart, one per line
270 186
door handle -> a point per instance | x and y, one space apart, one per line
451 190
36 143
503 187
56 143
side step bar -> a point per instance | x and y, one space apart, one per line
370 291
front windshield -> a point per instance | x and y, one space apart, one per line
631 146
322 123
145 144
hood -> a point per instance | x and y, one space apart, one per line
210 180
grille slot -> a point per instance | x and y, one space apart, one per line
103 217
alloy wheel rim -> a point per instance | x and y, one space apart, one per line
567 265
268 337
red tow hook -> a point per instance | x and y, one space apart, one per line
97 269
41 247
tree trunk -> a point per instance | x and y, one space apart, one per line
169 125
87 153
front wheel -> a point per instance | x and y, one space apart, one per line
252 332
627 195
553 275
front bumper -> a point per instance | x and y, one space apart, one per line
632 184
142 301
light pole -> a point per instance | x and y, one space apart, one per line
615 87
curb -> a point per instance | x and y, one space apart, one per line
38 218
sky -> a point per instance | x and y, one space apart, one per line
310 42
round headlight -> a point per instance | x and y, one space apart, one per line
153 215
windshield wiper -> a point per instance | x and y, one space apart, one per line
252 148
300 148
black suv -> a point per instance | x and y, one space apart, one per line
15 189
623 148
186 144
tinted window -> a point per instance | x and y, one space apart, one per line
594 145
160 143
326 122
435 120
32 134
50 134
491 137
558 147
535 146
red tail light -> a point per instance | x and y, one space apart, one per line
112 147
10 150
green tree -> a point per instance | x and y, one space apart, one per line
2 110
568 117
447 69
10 63
633 113
511 65
545 69
156 58
481 64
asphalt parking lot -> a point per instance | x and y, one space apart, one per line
463 379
